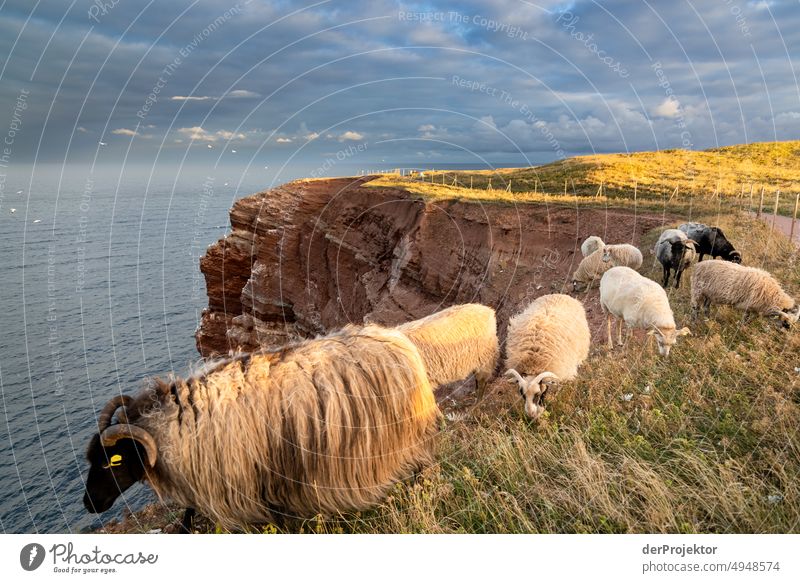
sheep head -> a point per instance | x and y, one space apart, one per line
667 338
786 317
735 257
533 390
118 455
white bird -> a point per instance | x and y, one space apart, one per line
102 143
233 151
209 146
38 221
19 192
13 211
226 184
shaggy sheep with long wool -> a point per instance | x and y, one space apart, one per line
745 288
546 343
591 268
323 426
457 342
675 251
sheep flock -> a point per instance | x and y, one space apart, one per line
330 424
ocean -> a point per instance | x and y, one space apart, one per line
100 288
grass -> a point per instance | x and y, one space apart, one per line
706 441
684 175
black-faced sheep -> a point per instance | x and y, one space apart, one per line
745 288
640 303
322 426
591 244
546 343
457 342
675 251
711 241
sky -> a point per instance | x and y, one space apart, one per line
331 82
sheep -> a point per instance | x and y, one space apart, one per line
323 426
711 241
623 254
589 271
595 265
549 339
749 289
591 244
675 251
456 342
641 303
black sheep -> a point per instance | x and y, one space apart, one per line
711 241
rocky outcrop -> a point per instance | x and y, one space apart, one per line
314 255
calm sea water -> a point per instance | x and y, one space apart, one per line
100 288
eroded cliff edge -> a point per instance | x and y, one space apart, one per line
311 256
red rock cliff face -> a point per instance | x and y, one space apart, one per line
312 256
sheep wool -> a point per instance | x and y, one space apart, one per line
745 288
456 342
551 334
589 270
623 254
322 426
591 244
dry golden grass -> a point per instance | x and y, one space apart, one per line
699 175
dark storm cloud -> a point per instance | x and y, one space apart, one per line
416 80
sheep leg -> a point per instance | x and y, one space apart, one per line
678 274
608 323
619 335
481 380
666 277
186 522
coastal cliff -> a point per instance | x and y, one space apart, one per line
313 255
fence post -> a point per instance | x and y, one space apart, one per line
750 204
565 187
761 203
775 212
794 217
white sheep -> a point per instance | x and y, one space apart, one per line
546 343
456 342
623 254
641 303
591 268
746 288
591 244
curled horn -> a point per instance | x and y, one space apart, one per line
127 431
546 379
104 419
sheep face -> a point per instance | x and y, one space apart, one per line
735 257
579 286
788 317
667 338
533 391
113 470
606 255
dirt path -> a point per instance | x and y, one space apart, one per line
783 224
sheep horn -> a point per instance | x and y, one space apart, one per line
127 431
104 419
546 378
513 373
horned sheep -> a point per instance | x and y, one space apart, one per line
591 268
546 343
640 303
591 244
322 426
675 251
456 342
711 241
746 288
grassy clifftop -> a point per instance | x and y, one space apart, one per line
730 172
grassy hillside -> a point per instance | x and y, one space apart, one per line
698 176
707 441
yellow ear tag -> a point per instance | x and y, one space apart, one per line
116 460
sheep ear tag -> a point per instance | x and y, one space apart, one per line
115 461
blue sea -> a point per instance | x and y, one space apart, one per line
100 288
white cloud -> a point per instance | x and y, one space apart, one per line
124 132
428 127
284 140
191 97
242 93
668 108
350 135
198 134
83 130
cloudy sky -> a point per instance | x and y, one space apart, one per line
274 82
